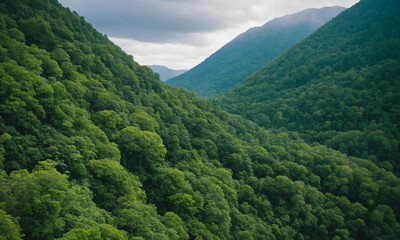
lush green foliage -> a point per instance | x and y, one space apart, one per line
339 87
94 146
250 51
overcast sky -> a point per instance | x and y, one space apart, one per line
180 34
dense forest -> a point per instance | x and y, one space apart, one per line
250 51
339 87
95 146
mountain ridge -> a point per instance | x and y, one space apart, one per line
250 51
336 74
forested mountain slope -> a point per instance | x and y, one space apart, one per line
94 146
251 50
339 87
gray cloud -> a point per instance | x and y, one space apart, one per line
181 33
176 20
165 20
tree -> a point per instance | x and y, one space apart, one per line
9 230
173 221
110 182
101 232
79 211
38 31
35 198
383 223
140 149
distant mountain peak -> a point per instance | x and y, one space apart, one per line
251 50
310 15
165 72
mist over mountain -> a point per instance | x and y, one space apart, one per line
165 72
251 50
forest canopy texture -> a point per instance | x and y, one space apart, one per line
339 87
94 146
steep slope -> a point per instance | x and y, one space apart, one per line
165 73
94 146
251 50
340 86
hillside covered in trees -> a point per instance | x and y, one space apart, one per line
94 146
339 87
250 51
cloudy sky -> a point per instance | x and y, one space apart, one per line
180 34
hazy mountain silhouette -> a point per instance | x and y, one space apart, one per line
165 72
